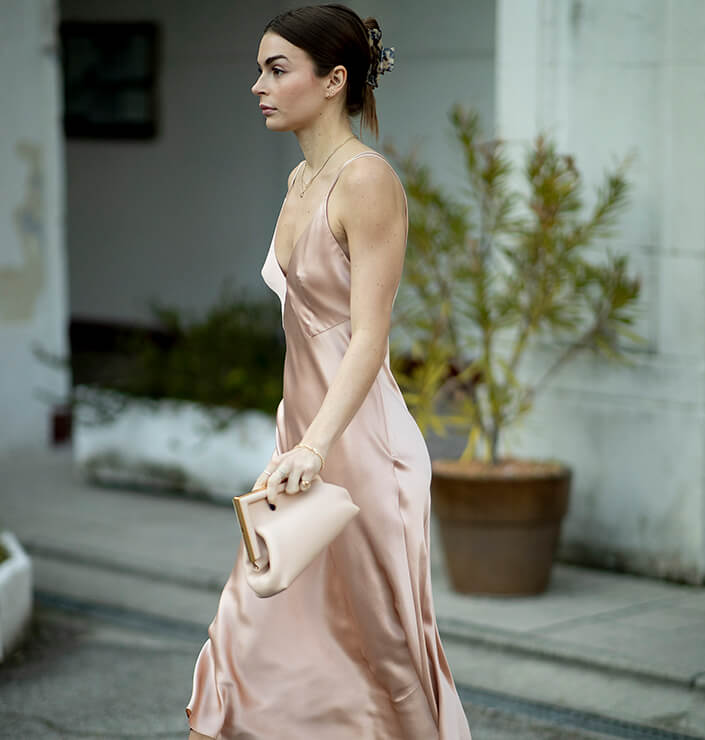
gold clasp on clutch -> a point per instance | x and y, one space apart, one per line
243 519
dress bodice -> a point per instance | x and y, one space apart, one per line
317 282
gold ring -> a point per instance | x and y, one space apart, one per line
305 484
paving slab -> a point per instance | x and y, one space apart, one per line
627 646
581 686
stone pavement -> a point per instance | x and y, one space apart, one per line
620 654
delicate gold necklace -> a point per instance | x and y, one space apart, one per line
305 187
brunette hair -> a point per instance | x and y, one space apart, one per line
334 34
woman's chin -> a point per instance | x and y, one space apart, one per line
273 125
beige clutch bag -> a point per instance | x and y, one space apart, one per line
281 542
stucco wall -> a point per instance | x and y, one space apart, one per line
33 302
605 79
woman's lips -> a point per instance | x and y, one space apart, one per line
266 110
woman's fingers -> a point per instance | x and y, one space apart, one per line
307 466
261 481
274 493
263 477
265 474
287 471
276 484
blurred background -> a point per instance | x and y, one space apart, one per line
136 169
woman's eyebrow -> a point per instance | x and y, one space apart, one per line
273 58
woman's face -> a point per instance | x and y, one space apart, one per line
290 94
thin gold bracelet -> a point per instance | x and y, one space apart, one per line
313 449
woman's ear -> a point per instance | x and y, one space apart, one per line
336 80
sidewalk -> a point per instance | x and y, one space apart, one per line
621 647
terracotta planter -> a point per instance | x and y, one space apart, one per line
499 524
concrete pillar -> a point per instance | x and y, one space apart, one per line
32 262
606 79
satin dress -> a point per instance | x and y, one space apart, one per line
351 650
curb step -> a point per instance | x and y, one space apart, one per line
566 717
533 645
527 643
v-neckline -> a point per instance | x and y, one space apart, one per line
299 238
323 202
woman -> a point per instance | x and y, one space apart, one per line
351 650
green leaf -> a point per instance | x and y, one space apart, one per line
492 267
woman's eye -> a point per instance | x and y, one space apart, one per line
277 71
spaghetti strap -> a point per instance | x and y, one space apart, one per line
296 174
354 157
367 154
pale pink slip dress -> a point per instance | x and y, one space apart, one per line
351 650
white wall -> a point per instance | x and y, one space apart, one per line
173 217
33 303
606 78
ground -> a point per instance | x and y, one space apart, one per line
127 675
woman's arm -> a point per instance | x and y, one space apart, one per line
372 213
369 205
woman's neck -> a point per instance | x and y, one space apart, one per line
319 140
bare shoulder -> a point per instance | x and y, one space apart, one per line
371 179
369 194
367 206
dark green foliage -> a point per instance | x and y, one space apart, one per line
485 276
231 358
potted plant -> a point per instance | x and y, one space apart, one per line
485 279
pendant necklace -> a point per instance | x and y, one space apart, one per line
305 187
